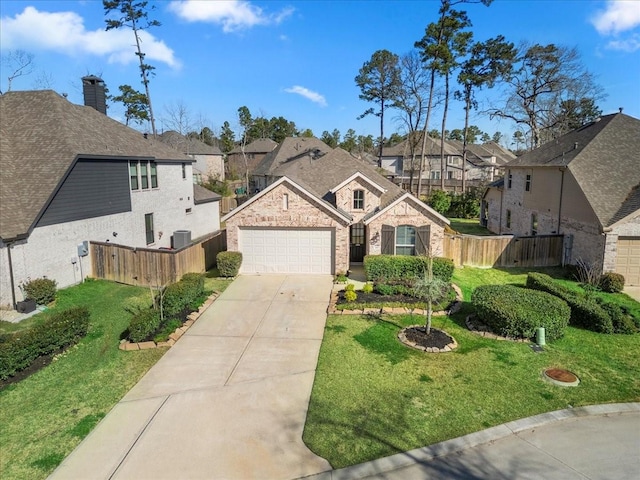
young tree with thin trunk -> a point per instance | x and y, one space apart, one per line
246 121
379 81
17 63
134 15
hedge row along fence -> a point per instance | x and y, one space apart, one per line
62 329
177 299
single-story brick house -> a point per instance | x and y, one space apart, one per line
584 185
323 211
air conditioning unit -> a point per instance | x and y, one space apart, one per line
180 239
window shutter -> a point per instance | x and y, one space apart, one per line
388 234
423 240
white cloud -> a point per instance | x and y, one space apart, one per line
629 45
308 94
619 16
64 32
233 15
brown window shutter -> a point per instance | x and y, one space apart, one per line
388 236
423 240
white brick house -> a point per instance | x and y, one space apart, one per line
323 211
586 186
69 175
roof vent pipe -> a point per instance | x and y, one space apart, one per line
620 108
575 146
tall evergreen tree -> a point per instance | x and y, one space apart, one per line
134 15
379 81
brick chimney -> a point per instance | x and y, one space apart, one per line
94 93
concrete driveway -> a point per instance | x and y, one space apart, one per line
228 400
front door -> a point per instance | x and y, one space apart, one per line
356 243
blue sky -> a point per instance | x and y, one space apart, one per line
298 59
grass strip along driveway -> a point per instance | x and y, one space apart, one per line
45 416
375 397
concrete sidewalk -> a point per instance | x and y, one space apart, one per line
594 442
228 400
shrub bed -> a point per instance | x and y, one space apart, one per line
585 313
401 269
229 263
611 282
60 330
512 311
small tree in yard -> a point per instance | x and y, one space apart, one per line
431 289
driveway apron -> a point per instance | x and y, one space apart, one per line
228 401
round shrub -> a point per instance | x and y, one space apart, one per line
229 263
511 311
42 290
350 287
611 282
350 296
621 318
367 288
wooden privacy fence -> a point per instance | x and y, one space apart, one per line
147 266
504 250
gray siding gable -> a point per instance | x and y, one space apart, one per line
93 188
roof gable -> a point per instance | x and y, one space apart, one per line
358 175
323 205
407 197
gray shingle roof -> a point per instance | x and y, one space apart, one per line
261 145
203 195
432 148
276 162
41 136
187 145
603 158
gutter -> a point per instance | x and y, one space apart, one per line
13 284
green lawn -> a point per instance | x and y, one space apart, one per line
468 226
44 417
374 397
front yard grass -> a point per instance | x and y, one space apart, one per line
45 416
374 397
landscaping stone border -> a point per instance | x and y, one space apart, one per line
332 310
476 326
173 338
447 348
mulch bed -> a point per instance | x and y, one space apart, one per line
435 339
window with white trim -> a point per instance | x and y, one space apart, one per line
143 174
148 227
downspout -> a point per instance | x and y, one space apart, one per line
562 170
13 284
501 204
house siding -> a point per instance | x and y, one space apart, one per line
269 211
405 214
52 250
92 189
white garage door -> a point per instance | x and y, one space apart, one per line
271 250
628 259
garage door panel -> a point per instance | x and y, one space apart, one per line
267 250
628 259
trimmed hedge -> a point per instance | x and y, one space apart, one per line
180 295
144 324
611 282
229 263
42 290
512 311
61 329
585 313
403 269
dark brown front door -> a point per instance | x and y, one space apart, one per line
356 243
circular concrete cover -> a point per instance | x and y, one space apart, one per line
561 377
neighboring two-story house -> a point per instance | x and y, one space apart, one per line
584 185
239 163
70 175
209 161
322 210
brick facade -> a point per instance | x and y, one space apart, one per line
300 212
404 213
